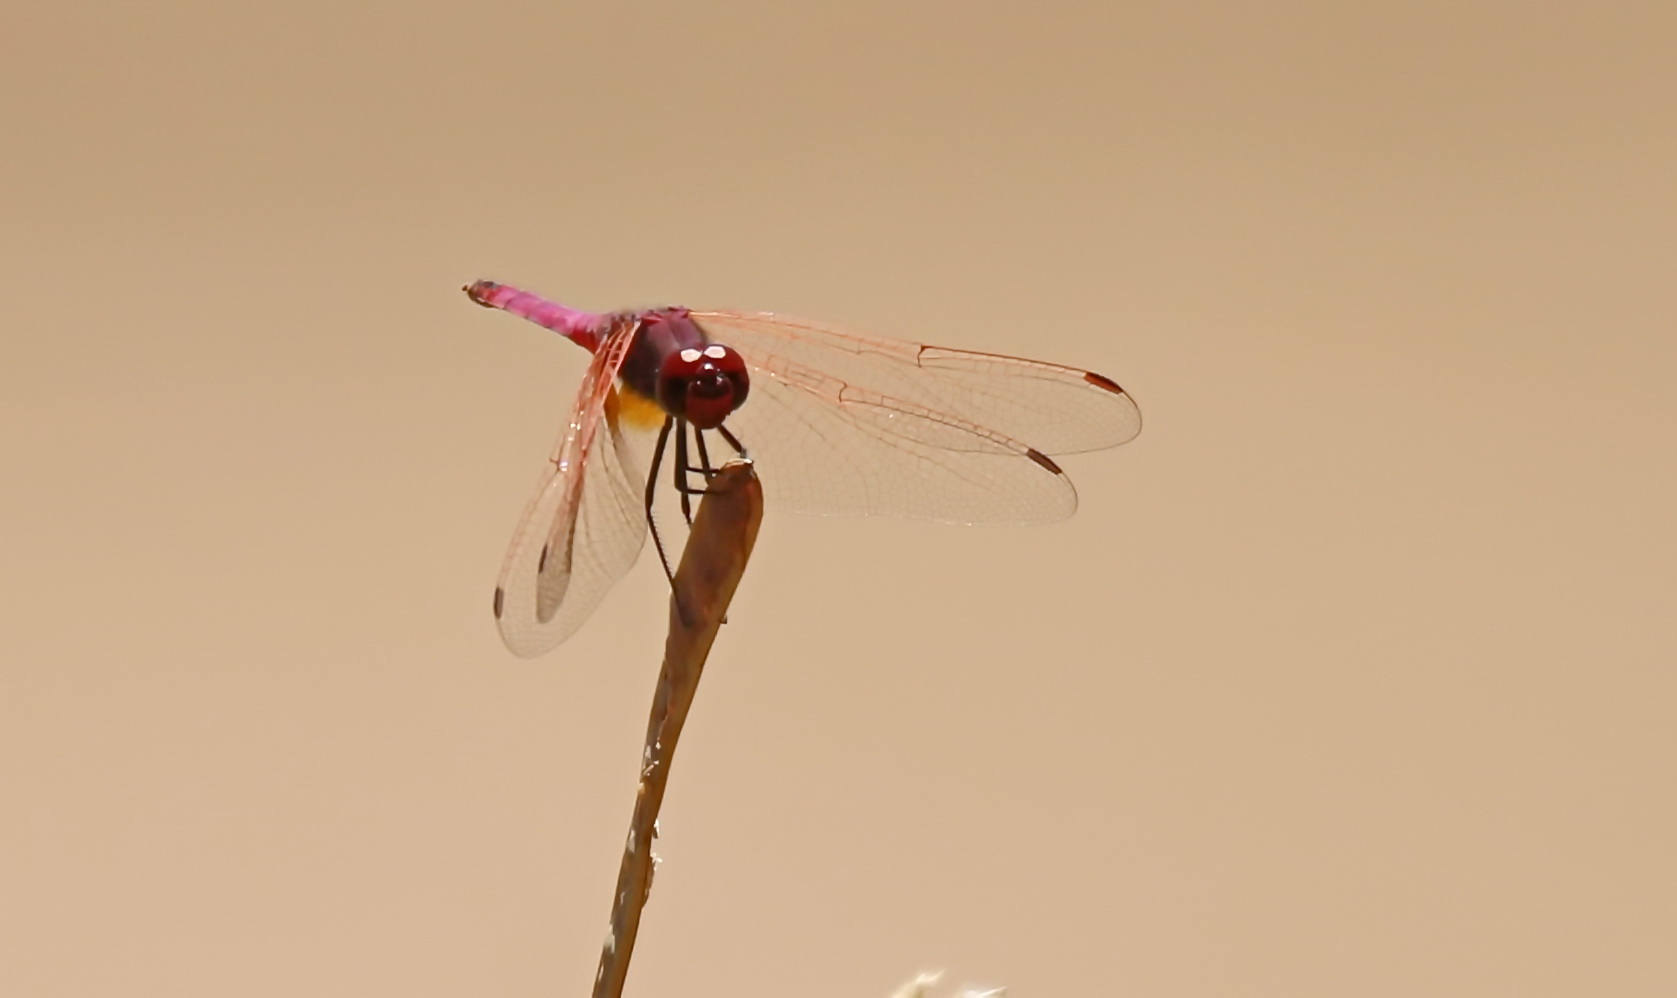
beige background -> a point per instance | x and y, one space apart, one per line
1352 676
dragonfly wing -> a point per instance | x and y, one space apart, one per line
825 446
1053 408
586 524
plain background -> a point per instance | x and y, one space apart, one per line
1354 675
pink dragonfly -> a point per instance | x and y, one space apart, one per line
836 423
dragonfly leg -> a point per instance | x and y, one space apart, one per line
652 490
704 468
682 469
652 523
733 442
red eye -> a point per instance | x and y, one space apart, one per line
703 386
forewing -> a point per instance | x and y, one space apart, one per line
585 526
1050 407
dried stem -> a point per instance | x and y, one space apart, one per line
711 566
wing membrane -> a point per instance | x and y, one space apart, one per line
1053 408
586 524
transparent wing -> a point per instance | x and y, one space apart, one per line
586 524
848 424
1053 408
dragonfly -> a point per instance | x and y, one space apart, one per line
836 423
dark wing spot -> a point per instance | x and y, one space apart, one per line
500 598
1040 458
541 563
1102 382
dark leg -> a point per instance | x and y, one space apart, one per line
681 471
704 456
733 442
651 490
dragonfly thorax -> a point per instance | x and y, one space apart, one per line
672 361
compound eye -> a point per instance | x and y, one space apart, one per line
703 386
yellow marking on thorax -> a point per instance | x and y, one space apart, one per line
637 410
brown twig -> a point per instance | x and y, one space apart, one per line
711 566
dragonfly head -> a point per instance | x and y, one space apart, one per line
703 385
